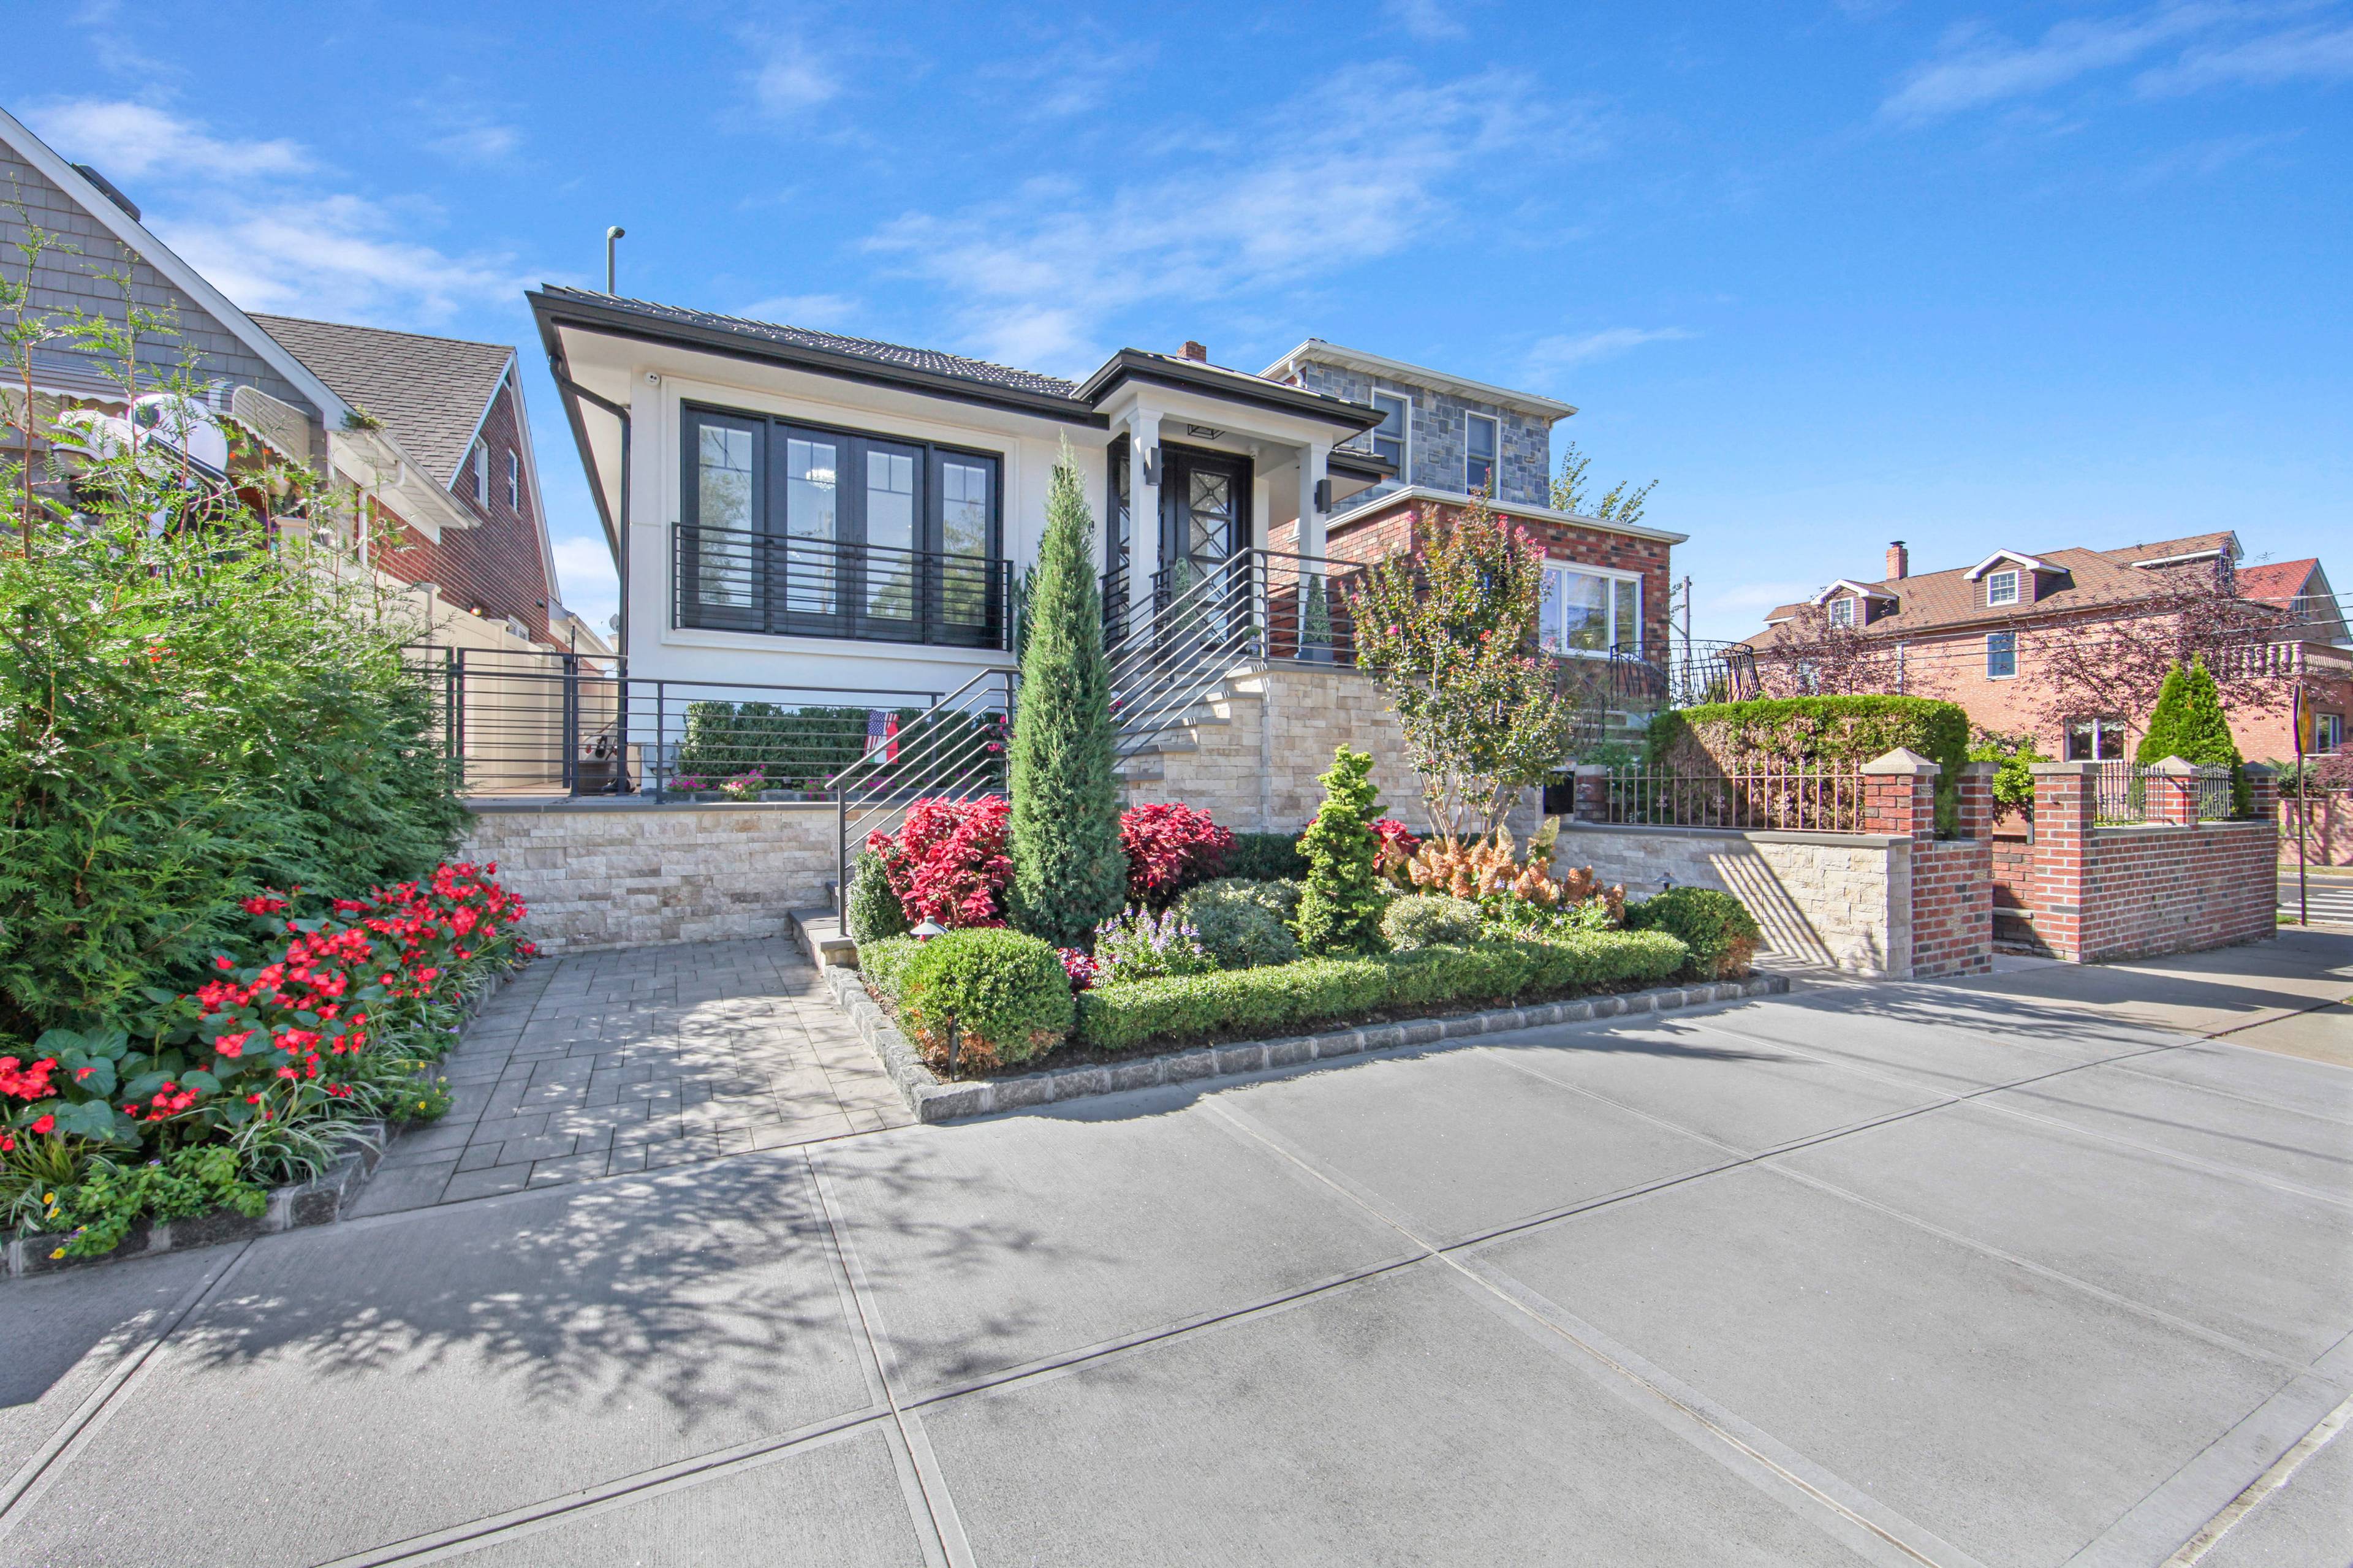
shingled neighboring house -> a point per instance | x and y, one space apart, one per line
1969 635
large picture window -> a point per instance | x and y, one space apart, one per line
1585 611
797 529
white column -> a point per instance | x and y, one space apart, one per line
1314 601
1311 458
1143 503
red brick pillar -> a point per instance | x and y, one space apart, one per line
2263 793
2066 802
1977 799
1899 795
2173 793
1592 793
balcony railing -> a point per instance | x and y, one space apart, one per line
1683 674
725 579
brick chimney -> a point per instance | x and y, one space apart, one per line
1899 561
1196 353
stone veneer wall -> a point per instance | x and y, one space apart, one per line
1436 447
1843 901
609 874
1257 771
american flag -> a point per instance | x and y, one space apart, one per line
882 733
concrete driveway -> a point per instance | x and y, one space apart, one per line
2010 1272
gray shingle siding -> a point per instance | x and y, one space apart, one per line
65 282
1434 451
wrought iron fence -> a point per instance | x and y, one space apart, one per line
1786 799
2128 792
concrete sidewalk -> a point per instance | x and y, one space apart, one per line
1994 1273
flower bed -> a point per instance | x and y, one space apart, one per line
309 1030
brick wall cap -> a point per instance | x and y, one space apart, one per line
1979 770
2064 770
1591 770
2258 769
1902 760
2175 768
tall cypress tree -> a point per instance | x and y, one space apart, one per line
2188 723
1069 870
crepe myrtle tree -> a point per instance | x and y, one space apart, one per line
1449 631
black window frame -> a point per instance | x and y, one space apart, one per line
779 575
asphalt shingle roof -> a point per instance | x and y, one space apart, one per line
930 360
1932 601
430 391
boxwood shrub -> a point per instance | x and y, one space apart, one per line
884 963
1007 993
1319 991
1716 927
1266 858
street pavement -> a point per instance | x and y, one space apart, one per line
2326 892
2020 1270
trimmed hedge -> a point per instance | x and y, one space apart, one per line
1722 934
884 963
1318 991
1007 994
1815 731
1266 858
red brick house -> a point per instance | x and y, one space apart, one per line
456 410
1983 637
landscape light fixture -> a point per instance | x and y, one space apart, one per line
612 234
928 929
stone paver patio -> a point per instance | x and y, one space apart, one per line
603 1063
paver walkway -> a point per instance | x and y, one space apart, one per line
602 1064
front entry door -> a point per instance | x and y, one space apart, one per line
1204 519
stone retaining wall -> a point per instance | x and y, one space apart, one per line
622 873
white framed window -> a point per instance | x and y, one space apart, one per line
2096 740
481 476
2001 588
2327 733
1843 610
1392 438
514 482
1589 610
1482 446
2002 655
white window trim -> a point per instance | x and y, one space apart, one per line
2016 582
1842 611
514 482
1612 573
481 475
1496 486
2013 656
1405 452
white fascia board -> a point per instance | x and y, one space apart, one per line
2217 554
374 461
1389 499
531 481
1240 423
1997 558
1863 590
1421 375
161 257
481 419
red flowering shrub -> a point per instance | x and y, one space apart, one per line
1398 844
948 862
1079 966
1170 848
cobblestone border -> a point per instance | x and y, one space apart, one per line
319 1200
932 1100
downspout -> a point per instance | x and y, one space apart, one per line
621 529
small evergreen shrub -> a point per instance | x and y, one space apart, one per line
1143 945
1717 928
2013 780
1007 993
874 910
1340 910
1243 924
1266 858
1426 920
884 964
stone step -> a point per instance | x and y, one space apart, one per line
821 937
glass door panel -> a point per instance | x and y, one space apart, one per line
892 508
812 526
726 494
968 511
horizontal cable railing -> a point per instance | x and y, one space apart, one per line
1790 799
955 749
730 580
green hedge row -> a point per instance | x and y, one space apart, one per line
1318 991
1816 731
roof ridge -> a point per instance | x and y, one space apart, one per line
266 316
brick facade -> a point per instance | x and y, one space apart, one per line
2090 894
496 564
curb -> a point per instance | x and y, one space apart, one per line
932 1100
319 1200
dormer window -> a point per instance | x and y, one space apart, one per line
1842 611
2001 587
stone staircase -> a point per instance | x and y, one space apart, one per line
1144 751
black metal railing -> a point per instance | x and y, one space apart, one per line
1682 674
726 579
957 748
2128 792
1795 799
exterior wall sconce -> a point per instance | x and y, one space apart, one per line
1152 465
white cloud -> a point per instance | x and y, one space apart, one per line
583 568
822 312
1975 68
1557 354
124 140
1075 76
1431 21
482 143
1317 186
2199 159
791 78
2295 54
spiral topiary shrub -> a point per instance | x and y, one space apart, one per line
1426 920
1717 928
1006 994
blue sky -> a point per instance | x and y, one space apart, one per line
1973 277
